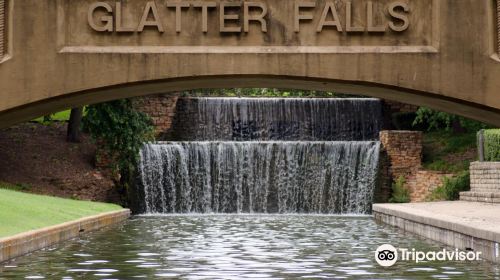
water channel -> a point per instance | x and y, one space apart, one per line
239 246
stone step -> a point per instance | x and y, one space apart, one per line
485 165
484 189
484 176
490 197
485 171
487 181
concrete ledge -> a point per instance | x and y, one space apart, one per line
24 243
463 225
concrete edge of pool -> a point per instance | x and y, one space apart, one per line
27 242
459 224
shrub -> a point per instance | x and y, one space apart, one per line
400 193
492 145
121 132
451 188
438 194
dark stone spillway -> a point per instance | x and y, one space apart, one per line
264 155
293 119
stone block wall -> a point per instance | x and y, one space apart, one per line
485 182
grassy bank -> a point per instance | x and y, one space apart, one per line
448 152
20 212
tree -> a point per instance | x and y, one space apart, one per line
74 124
435 120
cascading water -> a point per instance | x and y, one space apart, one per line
294 119
240 157
259 177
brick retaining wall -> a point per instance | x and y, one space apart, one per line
161 108
403 150
423 183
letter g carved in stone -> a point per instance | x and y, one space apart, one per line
106 21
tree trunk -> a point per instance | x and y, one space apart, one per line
457 126
75 121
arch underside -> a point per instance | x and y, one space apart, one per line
76 99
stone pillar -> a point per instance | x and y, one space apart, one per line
485 183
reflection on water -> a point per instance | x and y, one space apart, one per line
238 247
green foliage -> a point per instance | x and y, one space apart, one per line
438 194
400 193
120 129
436 120
451 188
447 166
448 152
492 145
260 92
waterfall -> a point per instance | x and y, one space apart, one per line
294 119
264 155
258 177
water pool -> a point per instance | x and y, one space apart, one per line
238 247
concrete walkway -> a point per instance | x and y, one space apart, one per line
461 224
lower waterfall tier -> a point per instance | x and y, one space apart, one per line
258 177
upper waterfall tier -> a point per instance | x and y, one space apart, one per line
307 119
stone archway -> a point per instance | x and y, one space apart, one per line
56 56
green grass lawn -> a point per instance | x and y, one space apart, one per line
59 117
20 212
62 116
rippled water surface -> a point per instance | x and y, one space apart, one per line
238 247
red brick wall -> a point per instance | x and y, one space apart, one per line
423 183
160 108
403 150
